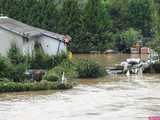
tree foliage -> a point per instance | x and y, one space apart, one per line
130 36
94 25
142 15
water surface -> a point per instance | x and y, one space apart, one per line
109 59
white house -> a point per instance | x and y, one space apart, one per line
25 37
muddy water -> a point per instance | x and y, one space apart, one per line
111 97
109 59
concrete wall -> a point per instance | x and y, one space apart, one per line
28 46
50 45
6 39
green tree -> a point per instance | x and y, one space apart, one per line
94 25
96 22
71 22
143 15
118 11
130 36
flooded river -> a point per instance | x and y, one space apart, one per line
109 59
109 98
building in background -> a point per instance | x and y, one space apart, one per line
25 37
145 50
135 49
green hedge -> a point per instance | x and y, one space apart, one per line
89 69
19 87
67 67
11 71
40 60
81 69
5 67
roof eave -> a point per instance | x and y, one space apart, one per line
57 38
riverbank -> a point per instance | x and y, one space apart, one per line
33 86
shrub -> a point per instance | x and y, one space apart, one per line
59 58
13 72
66 66
19 87
15 56
4 80
52 76
17 73
40 60
89 69
5 67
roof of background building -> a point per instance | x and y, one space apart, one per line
26 30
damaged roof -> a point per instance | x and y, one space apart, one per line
26 30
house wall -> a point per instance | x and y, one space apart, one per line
6 39
28 46
50 45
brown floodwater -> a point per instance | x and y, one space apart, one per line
109 59
114 97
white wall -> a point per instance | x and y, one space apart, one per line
28 46
6 39
50 45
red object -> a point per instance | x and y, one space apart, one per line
154 118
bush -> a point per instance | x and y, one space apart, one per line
52 76
13 72
17 73
4 80
66 66
59 58
5 67
40 60
89 69
15 56
19 87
